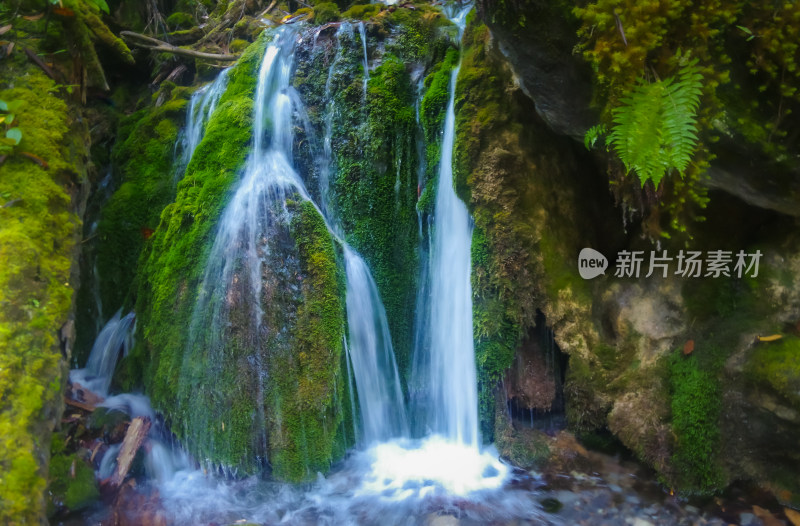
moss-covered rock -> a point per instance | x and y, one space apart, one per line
326 12
38 229
374 185
142 164
305 400
265 390
172 266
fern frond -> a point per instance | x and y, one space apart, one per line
655 125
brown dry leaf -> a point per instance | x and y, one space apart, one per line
688 347
5 29
33 18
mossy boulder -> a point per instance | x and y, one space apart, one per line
244 399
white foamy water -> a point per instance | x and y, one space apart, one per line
397 482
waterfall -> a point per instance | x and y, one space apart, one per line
385 480
240 248
115 337
370 353
363 34
202 105
452 378
268 174
370 349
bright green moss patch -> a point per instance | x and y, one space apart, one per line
777 364
72 482
695 423
37 236
326 12
362 12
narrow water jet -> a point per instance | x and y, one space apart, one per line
452 378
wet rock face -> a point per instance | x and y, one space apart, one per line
530 381
537 38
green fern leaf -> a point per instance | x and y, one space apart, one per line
655 125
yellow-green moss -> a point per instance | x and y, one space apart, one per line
306 395
777 364
37 236
325 12
173 262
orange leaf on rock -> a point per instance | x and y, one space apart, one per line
64 11
688 347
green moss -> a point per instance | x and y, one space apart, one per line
238 45
362 12
695 423
325 12
375 189
179 20
777 364
308 392
72 482
143 159
171 267
37 236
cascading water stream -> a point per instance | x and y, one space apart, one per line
115 337
203 103
363 34
452 378
370 351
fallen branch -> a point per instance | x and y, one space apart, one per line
154 44
39 62
134 437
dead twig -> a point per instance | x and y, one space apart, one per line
33 57
154 44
